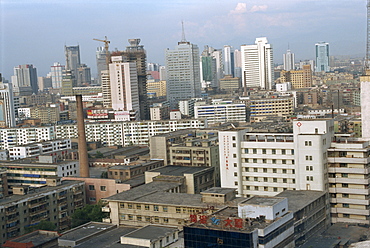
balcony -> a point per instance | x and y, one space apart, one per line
348 170
105 209
350 201
349 191
348 159
11 210
350 211
349 180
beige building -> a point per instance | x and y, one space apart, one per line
46 114
158 89
281 106
230 83
125 172
348 160
26 207
299 79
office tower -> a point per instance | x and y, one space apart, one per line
153 67
136 53
162 73
217 54
307 62
73 61
105 85
288 58
237 63
56 74
228 60
258 64
25 79
183 72
44 83
298 78
7 110
124 87
322 57
101 62
83 75
208 71
68 83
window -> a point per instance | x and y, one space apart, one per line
283 161
138 206
235 174
156 208
285 180
248 187
233 138
255 187
274 180
165 209
265 179
130 217
103 188
255 169
263 151
129 206
122 205
256 179
246 160
264 161
234 155
146 207
275 189
345 195
273 151
308 158
274 161
265 188
254 151
235 183
92 199
293 180
234 145
254 160
344 175
292 151
139 218
345 205
91 187
235 165
308 143
246 150
147 219
165 220
246 169
265 170
274 170
246 178
344 185
284 171
178 210
345 215
283 151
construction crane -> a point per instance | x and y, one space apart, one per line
106 42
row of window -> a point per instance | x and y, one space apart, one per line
269 151
266 179
270 161
156 208
265 170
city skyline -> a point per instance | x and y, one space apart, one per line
158 24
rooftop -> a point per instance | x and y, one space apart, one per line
298 199
173 170
152 232
37 238
218 190
263 200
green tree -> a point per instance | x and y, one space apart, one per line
98 154
87 214
42 225
104 174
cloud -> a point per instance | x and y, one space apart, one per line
257 8
240 8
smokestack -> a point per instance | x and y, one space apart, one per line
82 147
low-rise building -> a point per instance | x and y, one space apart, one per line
280 106
221 113
125 172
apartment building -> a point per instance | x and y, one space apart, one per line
221 113
125 172
3 183
27 207
35 173
280 106
36 149
264 163
349 160
298 78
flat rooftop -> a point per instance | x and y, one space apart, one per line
37 237
263 200
88 229
218 190
152 232
172 170
177 133
298 199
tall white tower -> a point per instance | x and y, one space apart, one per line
365 84
56 73
124 86
257 64
288 58
7 110
228 60
322 57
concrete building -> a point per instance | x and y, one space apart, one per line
83 75
208 69
322 57
124 87
221 112
27 207
283 87
183 73
267 163
125 172
25 79
36 173
7 108
159 112
280 106
228 60
44 83
186 107
288 60
38 238
36 149
56 74
101 62
3 184
73 60
298 78
365 104
230 83
255 222
47 115
157 89
257 65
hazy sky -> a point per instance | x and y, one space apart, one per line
35 31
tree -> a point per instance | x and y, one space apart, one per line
87 214
104 174
98 154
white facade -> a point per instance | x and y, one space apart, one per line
124 85
288 58
183 73
7 109
221 113
56 74
24 113
283 87
186 107
322 57
257 64
228 59
365 107
269 163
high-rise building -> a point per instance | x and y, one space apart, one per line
68 83
56 74
217 54
183 73
25 79
44 83
101 62
365 104
73 61
162 73
136 53
124 87
322 57
288 58
237 63
83 75
228 60
257 64
208 69
7 110
298 78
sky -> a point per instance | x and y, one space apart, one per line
36 31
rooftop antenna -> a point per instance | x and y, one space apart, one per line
183 39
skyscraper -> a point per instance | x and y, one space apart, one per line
56 74
124 87
257 64
288 58
228 60
25 79
237 63
73 61
7 110
101 63
183 72
136 53
208 71
83 75
322 57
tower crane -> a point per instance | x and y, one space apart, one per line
106 42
